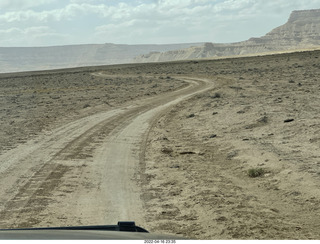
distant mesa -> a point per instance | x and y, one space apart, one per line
302 31
14 59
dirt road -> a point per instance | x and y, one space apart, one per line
185 158
86 171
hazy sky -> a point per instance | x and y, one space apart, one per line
62 22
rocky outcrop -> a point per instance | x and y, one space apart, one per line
302 30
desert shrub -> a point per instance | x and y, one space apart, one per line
216 95
255 172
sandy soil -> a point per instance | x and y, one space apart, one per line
66 133
263 113
80 170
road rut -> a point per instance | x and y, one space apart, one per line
85 172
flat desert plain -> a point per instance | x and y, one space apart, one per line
202 149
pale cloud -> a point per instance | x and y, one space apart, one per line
66 13
22 4
36 35
147 21
88 1
191 9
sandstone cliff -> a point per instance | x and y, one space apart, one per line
302 30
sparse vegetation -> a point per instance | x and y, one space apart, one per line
255 172
236 161
216 95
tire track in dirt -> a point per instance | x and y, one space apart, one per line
84 172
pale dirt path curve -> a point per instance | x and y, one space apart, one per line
84 172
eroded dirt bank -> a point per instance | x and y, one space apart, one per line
192 171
